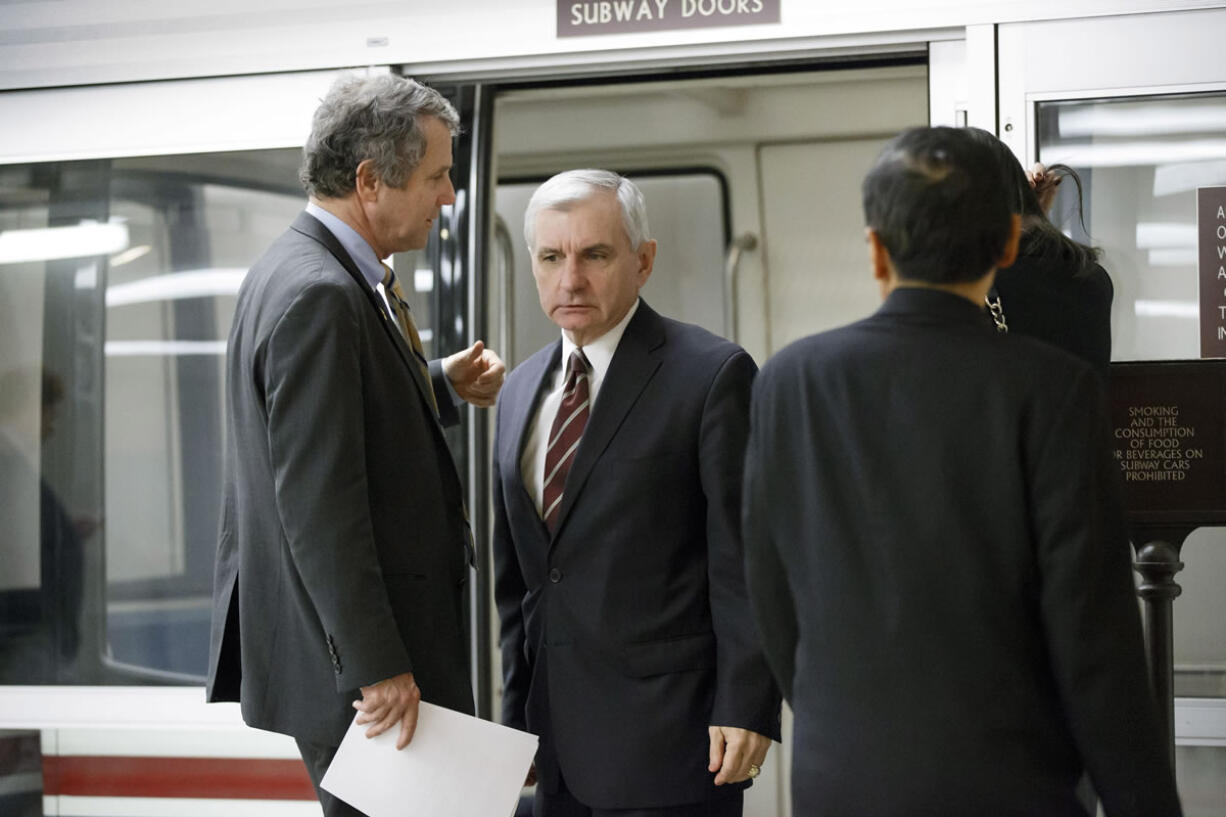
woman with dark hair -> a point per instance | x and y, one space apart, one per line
1056 291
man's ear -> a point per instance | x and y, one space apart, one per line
366 180
647 259
883 266
878 256
1009 255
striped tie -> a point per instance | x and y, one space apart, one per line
564 437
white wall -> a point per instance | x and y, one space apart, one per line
70 42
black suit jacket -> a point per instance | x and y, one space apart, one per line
344 545
627 633
937 560
1056 304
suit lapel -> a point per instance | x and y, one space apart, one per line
311 227
537 376
634 363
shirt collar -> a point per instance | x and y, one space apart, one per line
933 303
361 252
599 353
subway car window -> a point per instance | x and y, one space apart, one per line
117 287
1141 161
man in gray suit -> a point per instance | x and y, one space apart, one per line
935 547
344 541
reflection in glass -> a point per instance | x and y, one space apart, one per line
1141 161
117 285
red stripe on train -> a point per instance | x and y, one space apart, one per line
203 777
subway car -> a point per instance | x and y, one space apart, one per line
149 154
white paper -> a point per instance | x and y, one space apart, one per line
455 766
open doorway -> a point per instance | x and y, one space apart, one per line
752 183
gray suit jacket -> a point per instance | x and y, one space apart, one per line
344 546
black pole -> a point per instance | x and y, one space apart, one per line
1158 562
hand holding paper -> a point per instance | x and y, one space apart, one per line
387 703
456 766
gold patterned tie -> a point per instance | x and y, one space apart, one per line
404 317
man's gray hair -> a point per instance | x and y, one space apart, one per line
573 186
378 118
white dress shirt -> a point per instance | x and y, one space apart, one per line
599 354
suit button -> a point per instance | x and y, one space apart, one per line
555 575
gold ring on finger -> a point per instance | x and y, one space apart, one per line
754 770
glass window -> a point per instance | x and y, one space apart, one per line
1141 161
117 285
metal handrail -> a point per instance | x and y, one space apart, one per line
505 266
745 242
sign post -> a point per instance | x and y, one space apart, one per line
1169 432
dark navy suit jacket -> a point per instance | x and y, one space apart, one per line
627 633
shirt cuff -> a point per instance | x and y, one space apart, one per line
456 400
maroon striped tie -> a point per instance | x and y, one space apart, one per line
564 437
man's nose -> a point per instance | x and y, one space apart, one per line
448 196
572 277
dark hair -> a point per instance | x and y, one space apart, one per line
934 200
1041 239
376 118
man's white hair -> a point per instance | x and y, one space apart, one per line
570 187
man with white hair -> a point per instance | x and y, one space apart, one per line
627 640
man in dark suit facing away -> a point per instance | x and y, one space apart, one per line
627 641
935 543
344 541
